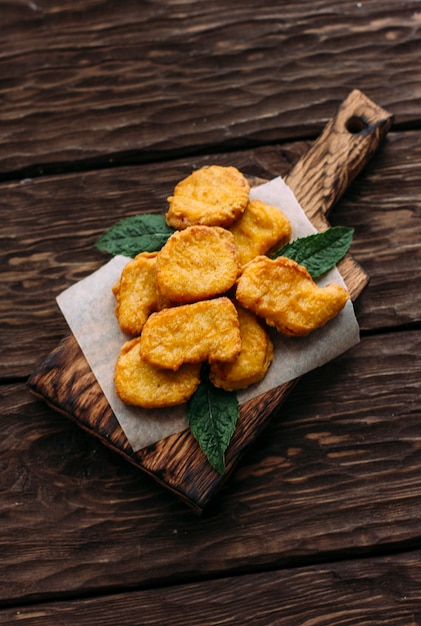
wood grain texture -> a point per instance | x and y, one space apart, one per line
386 215
45 250
177 461
93 86
101 81
322 175
345 146
371 592
336 473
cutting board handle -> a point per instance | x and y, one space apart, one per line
348 141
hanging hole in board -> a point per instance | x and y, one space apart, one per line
356 125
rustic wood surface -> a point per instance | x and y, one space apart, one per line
93 80
103 106
367 592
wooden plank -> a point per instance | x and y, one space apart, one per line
381 591
336 473
87 82
45 250
384 207
177 461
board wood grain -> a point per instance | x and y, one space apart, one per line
64 378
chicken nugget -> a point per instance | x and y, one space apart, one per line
196 264
191 333
136 293
253 361
213 195
140 384
261 228
284 294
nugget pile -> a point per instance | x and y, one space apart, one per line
209 293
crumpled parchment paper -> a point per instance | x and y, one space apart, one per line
88 307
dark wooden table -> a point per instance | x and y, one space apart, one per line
104 106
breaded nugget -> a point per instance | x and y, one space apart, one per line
253 361
284 294
261 228
136 293
140 384
190 333
213 195
196 264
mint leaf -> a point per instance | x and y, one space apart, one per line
319 252
147 232
212 414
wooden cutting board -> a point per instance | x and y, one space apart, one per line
65 381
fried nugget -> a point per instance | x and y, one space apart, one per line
191 333
136 293
253 361
284 294
196 264
140 384
261 228
213 195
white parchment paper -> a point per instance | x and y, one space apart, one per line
88 307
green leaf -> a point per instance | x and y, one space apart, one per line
147 232
212 414
319 252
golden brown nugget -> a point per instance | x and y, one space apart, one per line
140 384
196 264
136 293
253 361
213 195
284 294
203 331
261 228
